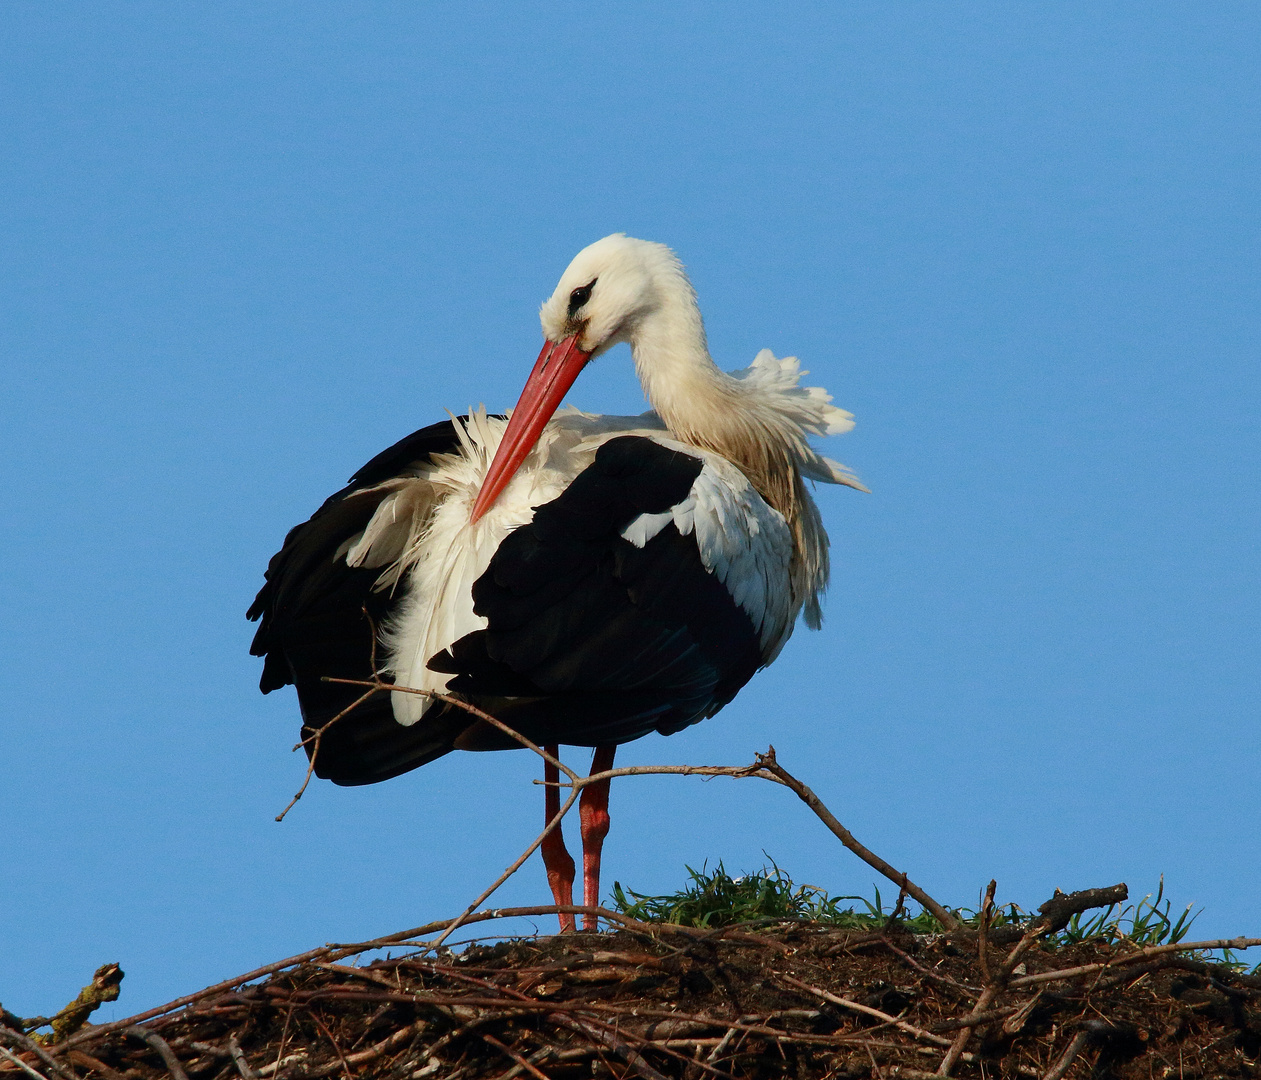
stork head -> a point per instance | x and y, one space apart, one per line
602 298
608 290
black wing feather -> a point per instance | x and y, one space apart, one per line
616 641
317 620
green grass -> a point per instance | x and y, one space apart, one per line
717 899
714 899
1144 923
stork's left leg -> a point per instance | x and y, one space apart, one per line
593 812
559 864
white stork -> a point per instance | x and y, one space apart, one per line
585 579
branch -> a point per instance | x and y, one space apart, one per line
22 1042
766 767
767 761
153 1039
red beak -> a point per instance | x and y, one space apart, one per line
554 373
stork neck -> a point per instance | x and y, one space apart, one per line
680 379
735 418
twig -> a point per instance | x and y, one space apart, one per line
1062 907
766 767
989 993
633 1058
974 1021
103 987
1238 944
238 1058
738 772
533 1059
329 1036
716 1053
874 1064
520 1059
16 1038
768 762
284 1035
336 952
516 865
377 686
867 1010
164 1050
982 937
78 1057
318 735
283 1063
10 1056
946 980
1061 1067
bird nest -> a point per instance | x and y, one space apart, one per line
653 1001
993 994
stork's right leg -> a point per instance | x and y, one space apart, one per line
556 857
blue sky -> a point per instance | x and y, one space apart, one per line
244 247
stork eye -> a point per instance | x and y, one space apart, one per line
580 296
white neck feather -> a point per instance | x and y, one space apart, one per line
759 419
753 416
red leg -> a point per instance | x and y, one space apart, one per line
556 857
593 810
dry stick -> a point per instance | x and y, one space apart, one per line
509 1007
515 1000
716 1052
767 767
982 937
326 952
315 739
974 1021
238 1059
16 1038
9 1056
329 1036
533 1059
633 1058
65 1022
1238 943
928 972
520 1059
576 783
991 991
282 1063
78 1057
1061 1067
867 1010
1014 1024
768 762
284 1035
377 685
164 1050
317 736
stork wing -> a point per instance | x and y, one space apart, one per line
592 638
318 615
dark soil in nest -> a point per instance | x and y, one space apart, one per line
784 1001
